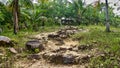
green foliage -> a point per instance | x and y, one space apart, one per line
37 51
31 14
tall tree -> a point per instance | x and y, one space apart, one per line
15 15
107 17
15 5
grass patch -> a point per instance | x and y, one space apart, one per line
107 42
22 35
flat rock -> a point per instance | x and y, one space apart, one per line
1 54
68 59
4 38
33 56
34 44
59 42
5 41
65 48
53 36
13 50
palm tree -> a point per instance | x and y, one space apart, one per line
107 19
15 8
79 9
5 14
15 15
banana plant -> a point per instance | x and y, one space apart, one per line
5 14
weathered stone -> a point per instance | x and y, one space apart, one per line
71 28
57 49
63 36
75 31
64 33
53 36
61 32
34 44
4 38
13 50
68 59
64 54
5 41
53 57
69 32
44 40
33 56
59 41
85 47
75 49
65 48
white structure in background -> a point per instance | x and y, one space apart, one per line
115 4
35 1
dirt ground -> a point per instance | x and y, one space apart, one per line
52 46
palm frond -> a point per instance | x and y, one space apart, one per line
26 3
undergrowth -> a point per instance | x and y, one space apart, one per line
108 42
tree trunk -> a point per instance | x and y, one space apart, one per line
107 18
15 16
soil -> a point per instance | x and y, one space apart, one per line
69 46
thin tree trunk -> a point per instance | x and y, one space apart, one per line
107 18
15 16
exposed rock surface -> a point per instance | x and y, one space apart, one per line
64 33
34 44
13 50
66 57
59 49
33 56
5 41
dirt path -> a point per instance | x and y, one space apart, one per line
43 64
55 49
